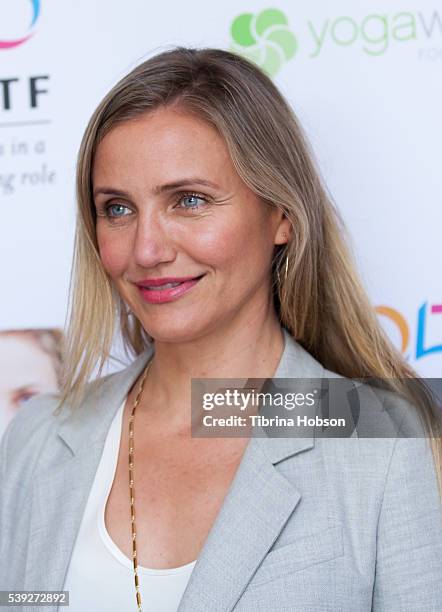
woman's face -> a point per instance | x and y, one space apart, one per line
171 205
26 370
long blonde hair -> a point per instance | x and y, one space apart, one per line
320 300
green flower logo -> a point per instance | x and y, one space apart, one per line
265 39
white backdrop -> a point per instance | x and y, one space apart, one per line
364 77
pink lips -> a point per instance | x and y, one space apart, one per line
168 294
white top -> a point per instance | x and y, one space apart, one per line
100 577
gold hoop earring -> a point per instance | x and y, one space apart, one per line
286 264
286 269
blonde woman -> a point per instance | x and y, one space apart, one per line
206 237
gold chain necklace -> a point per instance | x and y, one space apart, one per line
131 487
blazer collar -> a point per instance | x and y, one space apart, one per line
91 421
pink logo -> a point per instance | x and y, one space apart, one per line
10 44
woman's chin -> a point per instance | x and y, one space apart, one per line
176 331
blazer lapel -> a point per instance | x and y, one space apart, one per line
64 478
59 495
257 506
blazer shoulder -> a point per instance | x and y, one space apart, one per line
377 410
26 431
35 422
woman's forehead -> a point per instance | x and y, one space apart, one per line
160 146
164 130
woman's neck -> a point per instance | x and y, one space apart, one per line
250 350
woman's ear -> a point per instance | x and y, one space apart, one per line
283 231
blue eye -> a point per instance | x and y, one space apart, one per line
119 206
192 199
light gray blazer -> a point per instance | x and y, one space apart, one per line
308 525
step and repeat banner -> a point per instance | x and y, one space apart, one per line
364 78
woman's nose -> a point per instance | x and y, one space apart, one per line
152 243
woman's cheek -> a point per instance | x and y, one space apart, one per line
113 255
218 246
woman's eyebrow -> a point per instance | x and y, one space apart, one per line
159 188
182 183
110 191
